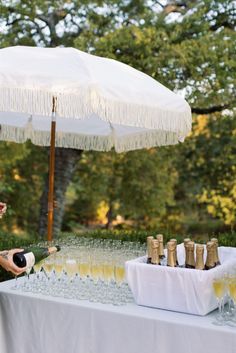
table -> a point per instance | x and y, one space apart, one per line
33 323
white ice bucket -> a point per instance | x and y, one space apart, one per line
177 289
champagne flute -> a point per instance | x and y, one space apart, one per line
71 268
119 273
232 293
219 291
48 266
84 267
58 266
108 269
26 286
37 267
15 287
95 269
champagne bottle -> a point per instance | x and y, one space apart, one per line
189 260
210 260
186 241
161 248
149 249
171 256
199 257
175 254
155 253
30 256
217 260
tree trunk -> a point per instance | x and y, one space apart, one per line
65 162
109 217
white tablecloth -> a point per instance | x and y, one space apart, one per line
32 323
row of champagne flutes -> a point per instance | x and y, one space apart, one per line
224 287
92 269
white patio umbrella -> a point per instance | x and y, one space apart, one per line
95 104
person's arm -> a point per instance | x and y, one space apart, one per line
6 257
3 208
6 261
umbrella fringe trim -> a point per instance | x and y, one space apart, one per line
79 105
146 140
99 143
143 116
68 140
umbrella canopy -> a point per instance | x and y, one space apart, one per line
101 103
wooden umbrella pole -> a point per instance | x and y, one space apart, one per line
51 171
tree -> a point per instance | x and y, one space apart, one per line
132 185
51 23
193 55
22 170
210 159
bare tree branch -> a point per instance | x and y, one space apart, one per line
8 23
225 24
158 3
38 30
45 19
213 109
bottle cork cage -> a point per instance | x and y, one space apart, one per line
178 289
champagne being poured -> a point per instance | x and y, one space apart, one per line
30 256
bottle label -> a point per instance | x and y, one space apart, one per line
30 259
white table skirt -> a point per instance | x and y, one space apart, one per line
32 323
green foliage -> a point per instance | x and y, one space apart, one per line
56 22
133 185
22 169
227 239
194 54
208 160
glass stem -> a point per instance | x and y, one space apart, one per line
220 307
229 305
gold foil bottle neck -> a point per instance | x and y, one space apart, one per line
155 252
216 254
191 245
210 246
199 248
189 260
174 241
210 260
161 247
186 241
159 237
149 248
199 257
171 248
